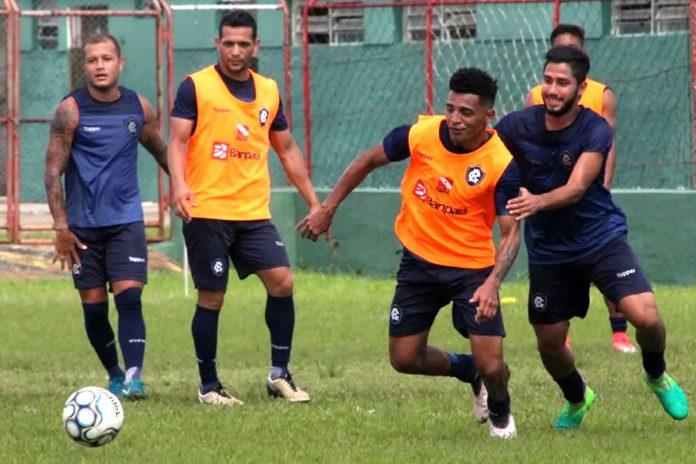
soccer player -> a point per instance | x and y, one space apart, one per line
224 120
601 99
458 181
576 235
100 234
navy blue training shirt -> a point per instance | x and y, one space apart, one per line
101 179
546 159
508 186
185 105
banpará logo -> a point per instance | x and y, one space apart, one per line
263 116
131 127
539 302
218 267
474 175
420 190
395 315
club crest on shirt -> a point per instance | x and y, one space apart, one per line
131 127
567 160
263 116
474 175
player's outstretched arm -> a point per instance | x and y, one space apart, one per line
291 158
60 140
487 294
179 134
318 222
584 173
150 136
609 113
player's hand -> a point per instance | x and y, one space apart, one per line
486 299
525 205
181 194
316 223
66 245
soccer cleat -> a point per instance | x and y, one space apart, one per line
621 343
116 386
218 396
670 394
507 432
135 390
572 414
284 387
480 405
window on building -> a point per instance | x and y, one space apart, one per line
46 27
449 22
326 25
650 16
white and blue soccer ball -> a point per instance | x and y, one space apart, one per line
93 416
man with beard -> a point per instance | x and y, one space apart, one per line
576 235
599 98
459 178
100 234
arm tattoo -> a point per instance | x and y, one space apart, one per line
57 157
506 258
152 141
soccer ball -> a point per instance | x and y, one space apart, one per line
92 416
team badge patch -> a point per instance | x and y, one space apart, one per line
567 160
131 127
263 116
220 150
218 267
474 175
539 302
395 315
444 184
76 270
420 190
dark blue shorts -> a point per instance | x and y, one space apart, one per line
113 254
423 288
251 245
559 292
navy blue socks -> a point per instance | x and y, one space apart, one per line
462 367
204 329
280 319
618 324
654 363
131 331
101 336
573 387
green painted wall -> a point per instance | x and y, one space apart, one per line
363 240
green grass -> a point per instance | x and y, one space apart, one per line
362 410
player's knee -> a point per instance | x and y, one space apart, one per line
282 287
550 347
403 363
211 300
129 300
491 369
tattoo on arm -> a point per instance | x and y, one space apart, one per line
153 142
506 258
57 157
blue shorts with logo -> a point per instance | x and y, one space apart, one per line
559 292
423 288
113 254
251 245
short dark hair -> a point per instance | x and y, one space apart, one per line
238 18
100 38
474 81
571 29
578 60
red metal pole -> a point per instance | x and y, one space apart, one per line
287 61
429 57
170 79
307 87
556 12
692 20
159 41
13 126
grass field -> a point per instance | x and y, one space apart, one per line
362 410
